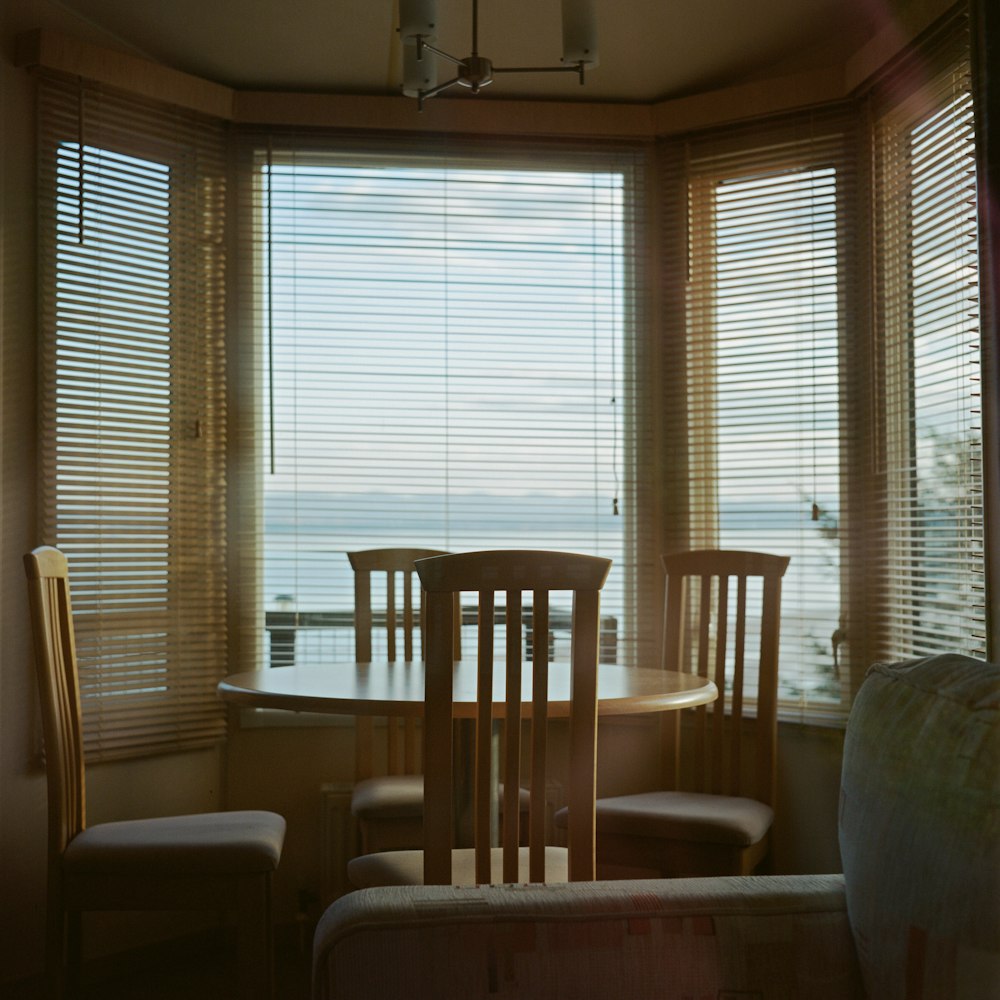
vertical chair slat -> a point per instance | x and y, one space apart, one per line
364 726
674 645
408 624
701 712
362 616
510 841
739 654
483 785
394 763
583 737
438 807
767 693
719 706
539 740
390 616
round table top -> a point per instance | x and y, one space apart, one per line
383 688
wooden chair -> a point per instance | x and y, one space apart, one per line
722 615
514 574
389 806
210 861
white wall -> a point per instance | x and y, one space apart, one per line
22 789
188 782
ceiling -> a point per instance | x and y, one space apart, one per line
649 49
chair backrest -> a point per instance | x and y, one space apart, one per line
518 576
722 619
919 827
59 694
398 613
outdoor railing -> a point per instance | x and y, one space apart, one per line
285 628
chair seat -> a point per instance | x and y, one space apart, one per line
389 796
691 816
407 867
203 843
523 797
401 796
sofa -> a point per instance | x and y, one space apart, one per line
915 914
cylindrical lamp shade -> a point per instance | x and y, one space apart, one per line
417 17
579 24
418 74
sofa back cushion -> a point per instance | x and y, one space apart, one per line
920 828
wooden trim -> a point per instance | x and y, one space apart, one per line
749 100
65 54
459 115
891 41
986 93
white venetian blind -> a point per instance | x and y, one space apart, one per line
132 409
928 314
442 345
769 293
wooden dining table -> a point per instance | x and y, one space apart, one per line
397 689
382 688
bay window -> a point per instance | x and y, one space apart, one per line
261 349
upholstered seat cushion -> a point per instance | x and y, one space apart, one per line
716 819
389 796
239 842
401 796
407 867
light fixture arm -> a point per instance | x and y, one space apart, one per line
422 45
424 94
418 24
578 68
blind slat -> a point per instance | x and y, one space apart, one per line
769 269
132 352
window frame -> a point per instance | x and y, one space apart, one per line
147 561
900 107
374 149
818 140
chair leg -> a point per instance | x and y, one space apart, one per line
55 953
74 954
62 949
255 939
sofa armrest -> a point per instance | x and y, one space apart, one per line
742 937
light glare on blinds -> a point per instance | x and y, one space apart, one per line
766 316
132 438
929 313
443 363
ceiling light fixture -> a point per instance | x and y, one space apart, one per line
418 30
